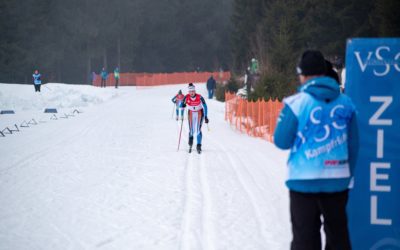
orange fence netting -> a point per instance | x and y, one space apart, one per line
257 119
156 79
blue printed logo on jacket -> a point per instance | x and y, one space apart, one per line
320 149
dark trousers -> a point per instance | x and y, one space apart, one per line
306 210
116 82
210 93
103 82
37 87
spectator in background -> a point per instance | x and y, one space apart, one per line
211 86
103 75
37 81
254 66
116 76
318 124
92 77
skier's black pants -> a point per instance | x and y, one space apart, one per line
116 82
37 87
306 210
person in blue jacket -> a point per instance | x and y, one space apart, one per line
37 81
318 125
197 111
103 75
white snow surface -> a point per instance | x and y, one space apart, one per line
112 178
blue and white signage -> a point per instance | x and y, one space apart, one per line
373 83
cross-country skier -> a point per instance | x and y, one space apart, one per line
197 110
177 99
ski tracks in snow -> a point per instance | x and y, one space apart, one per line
197 224
224 200
245 184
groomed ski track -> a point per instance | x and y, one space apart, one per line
111 178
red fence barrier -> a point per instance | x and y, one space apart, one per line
257 119
156 79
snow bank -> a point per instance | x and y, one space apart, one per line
54 95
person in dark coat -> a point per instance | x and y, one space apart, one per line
211 86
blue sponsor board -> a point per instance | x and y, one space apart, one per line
373 83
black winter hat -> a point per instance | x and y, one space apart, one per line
312 62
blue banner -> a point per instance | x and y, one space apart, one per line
373 83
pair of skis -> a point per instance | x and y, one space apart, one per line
198 150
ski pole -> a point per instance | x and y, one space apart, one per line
180 133
173 108
208 128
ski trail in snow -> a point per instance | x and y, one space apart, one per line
256 194
248 185
208 220
188 238
197 226
38 153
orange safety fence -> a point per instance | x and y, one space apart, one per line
157 79
256 119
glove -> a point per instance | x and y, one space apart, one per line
206 119
183 105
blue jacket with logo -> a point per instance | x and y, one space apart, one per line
319 125
36 79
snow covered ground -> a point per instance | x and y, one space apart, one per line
111 177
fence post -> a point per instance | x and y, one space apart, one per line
260 131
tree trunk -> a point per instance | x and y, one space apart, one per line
89 64
89 70
119 51
58 71
105 58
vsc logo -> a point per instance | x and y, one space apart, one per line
337 122
379 60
